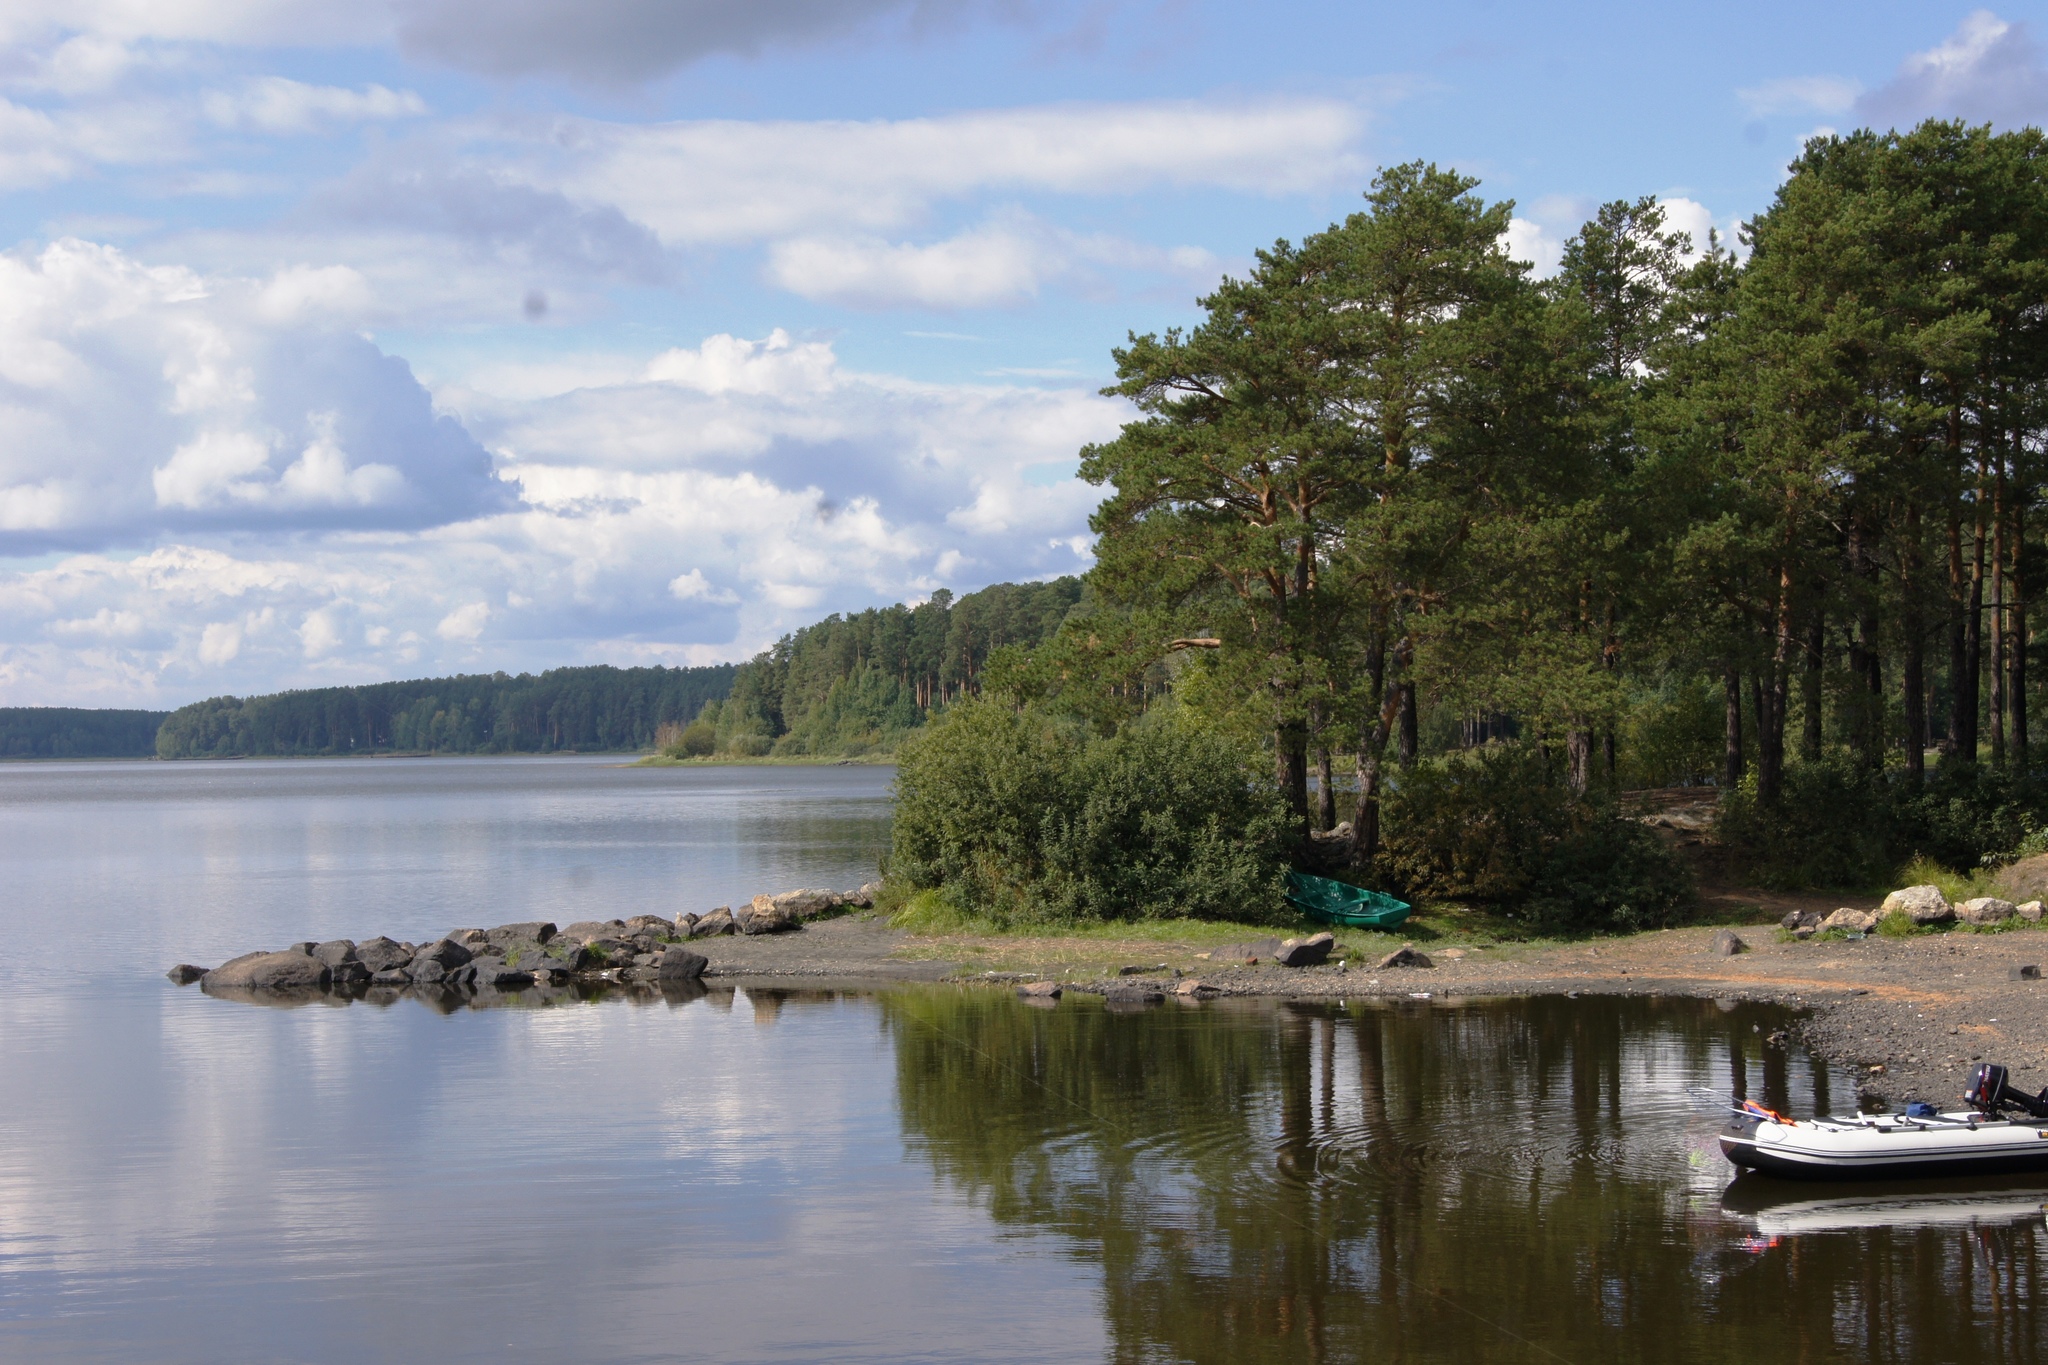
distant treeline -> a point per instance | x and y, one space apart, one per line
858 684
73 732
594 708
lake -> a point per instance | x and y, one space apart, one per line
932 1173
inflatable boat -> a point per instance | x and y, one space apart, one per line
2002 1130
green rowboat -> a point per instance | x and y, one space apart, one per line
1339 903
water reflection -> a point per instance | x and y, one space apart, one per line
1505 1181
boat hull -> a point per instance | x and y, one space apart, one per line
1814 1152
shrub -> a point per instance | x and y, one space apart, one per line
1021 817
695 740
1498 825
1832 826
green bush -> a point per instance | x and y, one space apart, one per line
1499 825
1833 826
1018 818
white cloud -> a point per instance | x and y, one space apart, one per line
141 399
722 181
273 104
220 642
1800 94
465 622
1532 242
1989 69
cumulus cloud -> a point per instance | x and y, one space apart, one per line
1988 70
710 181
136 400
694 510
276 105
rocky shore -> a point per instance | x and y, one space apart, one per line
645 949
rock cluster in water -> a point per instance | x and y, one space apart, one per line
645 948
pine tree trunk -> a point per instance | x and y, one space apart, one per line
2016 691
1912 652
1410 728
1958 653
1811 735
1578 752
1731 754
1970 695
1326 791
1290 771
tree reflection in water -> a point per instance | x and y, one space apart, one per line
1503 1180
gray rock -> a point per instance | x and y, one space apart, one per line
472 939
641 924
335 951
496 974
529 931
269 972
864 898
445 953
1805 932
381 953
564 954
1728 943
588 929
349 973
609 952
1040 990
680 964
646 959
766 919
1312 951
684 921
1193 988
1404 956
184 974
391 976
1850 921
2030 911
718 922
2027 972
305 948
1982 910
1921 904
799 906
426 971
1801 919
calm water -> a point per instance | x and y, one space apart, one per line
931 1173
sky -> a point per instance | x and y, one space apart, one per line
400 338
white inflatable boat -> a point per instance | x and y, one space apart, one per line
2002 1130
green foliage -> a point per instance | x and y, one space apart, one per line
599 707
74 732
1834 826
1498 824
861 684
1671 733
696 740
1016 817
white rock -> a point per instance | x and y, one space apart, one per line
1849 921
1921 904
1986 910
2029 910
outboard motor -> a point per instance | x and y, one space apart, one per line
1989 1093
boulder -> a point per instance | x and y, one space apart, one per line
764 916
1191 988
805 905
1727 943
380 954
2025 880
610 952
1849 921
1921 904
497 974
335 951
1801 919
1312 951
269 972
718 922
1986 910
1133 998
684 921
645 924
349 973
584 930
305 948
1403 956
184 974
528 931
391 976
1805 932
472 939
426 972
2029 911
1040 990
446 953
680 964
864 898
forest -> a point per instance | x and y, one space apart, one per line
1455 555
77 732
592 708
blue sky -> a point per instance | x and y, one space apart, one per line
349 342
